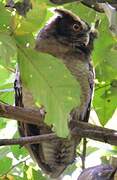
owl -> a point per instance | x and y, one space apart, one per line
70 39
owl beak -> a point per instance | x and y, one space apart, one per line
86 42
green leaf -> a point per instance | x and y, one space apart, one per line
105 53
91 150
5 164
26 40
4 75
52 85
105 103
70 169
7 48
33 20
7 92
4 151
2 123
7 97
84 12
37 175
113 87
17 178
5 17
47 3
25 168
6 87
18 151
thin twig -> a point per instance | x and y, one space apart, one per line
27 140
84 152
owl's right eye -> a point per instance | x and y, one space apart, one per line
77 27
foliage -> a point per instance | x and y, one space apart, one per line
52 92
48 79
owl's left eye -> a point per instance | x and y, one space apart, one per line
76 27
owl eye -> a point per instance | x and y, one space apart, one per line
76 27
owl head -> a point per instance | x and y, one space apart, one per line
71 28
68 31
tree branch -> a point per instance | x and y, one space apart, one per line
84 152
25 115
33 116
94 132
86 1
27 140
59 2
94 4
109 1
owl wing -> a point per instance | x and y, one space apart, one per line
91 85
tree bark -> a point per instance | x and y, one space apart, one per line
25 115
69 1
36 117
27 140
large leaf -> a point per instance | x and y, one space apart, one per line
4 75
7 48
52 85
105 103
105 53
105 58
6 87
5 17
